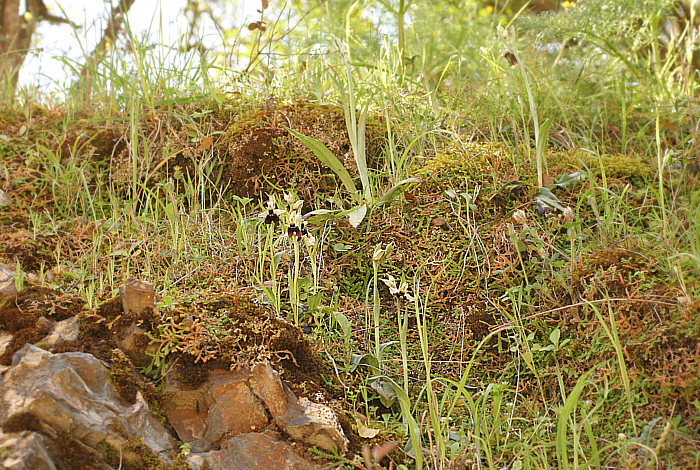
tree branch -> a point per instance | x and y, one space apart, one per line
109 37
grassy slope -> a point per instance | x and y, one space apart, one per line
532 341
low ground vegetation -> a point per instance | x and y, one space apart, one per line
528 299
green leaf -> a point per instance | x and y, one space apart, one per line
527 357
570 179
547 197
394 190
359 151
554 336
520 246
386 392
357 215
319 216
543 136
364 360
328 159
561 443
345 324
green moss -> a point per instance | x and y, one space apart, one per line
617 166
464 160
109 452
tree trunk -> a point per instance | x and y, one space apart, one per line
16 32
11 54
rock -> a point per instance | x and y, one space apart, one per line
304 421
222 406
43 322
252 451
134 342
71 394
7 279
25 451
232 403
137 296
61 332
4 199
5 339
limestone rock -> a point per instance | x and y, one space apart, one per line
222 406
252 451
25 451
61 332
71 393
134 342
5 339
7 279
304 421
137 296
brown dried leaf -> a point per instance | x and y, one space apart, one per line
383 450
365 431
205 144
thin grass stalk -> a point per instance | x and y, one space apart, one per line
376 310
611 332
566 412
430 392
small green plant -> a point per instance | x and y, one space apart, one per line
274 251
380 255
19 277
365 199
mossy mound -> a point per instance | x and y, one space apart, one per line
247 153
466 159
617 166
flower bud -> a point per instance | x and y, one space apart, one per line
520 217
309 240
568 214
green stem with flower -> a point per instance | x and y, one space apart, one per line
294 233
401 292
294 282
271 217
378 257
310 242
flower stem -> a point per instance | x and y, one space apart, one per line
294 282
376 311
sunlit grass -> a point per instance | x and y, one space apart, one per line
549 383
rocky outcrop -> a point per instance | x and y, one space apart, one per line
252 451
222 406
26 450
61 332
304 421
70 394
68 410
230 403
